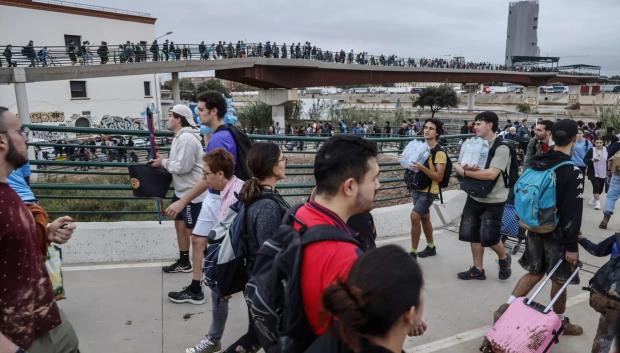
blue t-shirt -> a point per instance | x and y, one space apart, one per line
222 139
579 151
17 182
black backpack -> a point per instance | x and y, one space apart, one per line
243 144
607 279
420 181
273 292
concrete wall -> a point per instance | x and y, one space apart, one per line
122 96
107 242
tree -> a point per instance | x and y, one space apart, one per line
524 108
437 98
188 90
213 85
255 114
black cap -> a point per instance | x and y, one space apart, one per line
564 129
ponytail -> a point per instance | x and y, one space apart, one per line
346 311
250 191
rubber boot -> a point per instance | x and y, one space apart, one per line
605 220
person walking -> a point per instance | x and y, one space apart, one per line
596 170
482 216
184 163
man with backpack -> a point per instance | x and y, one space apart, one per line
313 248
211 109
551 238
582 146
487 190
425 188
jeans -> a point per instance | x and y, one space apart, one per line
219 306
612 195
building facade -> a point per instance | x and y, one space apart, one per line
522 34
54 24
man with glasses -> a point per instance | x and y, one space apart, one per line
30 318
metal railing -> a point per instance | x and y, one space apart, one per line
89 54
97 187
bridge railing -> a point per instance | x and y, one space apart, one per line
91 182
90 54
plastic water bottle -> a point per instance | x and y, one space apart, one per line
463 152
484 153
423 152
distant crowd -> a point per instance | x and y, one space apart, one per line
83 53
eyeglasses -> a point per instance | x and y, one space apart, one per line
24 131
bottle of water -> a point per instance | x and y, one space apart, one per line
484 153
464 151
423 152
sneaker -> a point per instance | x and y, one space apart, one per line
413 255
500 311
178 266
205 346
597 205
428 252
504 268
187 296
472 273
592 201
571 329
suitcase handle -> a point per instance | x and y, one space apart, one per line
547 278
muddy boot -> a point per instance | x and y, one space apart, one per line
605 220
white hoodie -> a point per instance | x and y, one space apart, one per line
184 162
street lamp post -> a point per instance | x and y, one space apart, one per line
158 91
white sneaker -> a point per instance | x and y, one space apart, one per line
592 202
597 205
205 346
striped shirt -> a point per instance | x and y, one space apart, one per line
228 197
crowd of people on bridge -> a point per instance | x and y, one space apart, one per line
311 274
141 51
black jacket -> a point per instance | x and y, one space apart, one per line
569 195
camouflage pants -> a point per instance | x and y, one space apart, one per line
609 309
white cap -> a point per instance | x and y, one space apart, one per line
185 112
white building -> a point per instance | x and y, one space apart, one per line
55 23
522 34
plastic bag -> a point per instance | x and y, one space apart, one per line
416 151
53 265
474 152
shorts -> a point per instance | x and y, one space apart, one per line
481 222
542 253
189 213
208 217
598 185
422 201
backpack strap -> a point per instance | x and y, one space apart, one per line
325 232
553 169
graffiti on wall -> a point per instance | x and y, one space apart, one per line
47 117
117 122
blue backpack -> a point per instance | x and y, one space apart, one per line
535 199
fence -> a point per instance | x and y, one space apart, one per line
83 176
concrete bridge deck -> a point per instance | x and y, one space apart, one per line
122 307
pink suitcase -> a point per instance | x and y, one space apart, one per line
526 326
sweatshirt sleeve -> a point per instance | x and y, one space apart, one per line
570 205
601 249
184 159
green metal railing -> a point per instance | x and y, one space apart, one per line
99 189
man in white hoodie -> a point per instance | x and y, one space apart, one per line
184 162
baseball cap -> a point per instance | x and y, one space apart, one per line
565 128
184 111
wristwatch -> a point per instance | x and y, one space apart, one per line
20 350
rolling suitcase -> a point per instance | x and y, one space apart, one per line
527 326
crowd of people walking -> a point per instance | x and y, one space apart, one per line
311 274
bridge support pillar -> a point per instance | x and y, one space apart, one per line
574 95
471 99
21 94
176 88
276 98
531 95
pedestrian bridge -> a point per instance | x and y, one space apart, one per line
293 73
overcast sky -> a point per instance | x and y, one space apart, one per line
579 31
